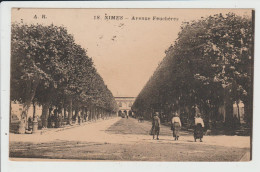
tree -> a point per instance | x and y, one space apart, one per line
47 66
208 67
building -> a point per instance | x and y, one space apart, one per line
125 104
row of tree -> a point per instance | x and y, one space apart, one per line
210 66
48 68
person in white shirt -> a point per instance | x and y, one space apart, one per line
199 120
176 125
199 125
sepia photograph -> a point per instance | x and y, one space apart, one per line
131 84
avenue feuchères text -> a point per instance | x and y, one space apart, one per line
136 18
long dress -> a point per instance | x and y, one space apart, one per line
156 126
198 131
176 126
176 129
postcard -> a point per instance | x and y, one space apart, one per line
131 84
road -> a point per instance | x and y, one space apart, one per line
125 140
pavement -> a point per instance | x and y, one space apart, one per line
89 131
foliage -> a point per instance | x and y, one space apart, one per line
209 63
48 58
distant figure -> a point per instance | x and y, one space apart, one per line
79 119
56 119
87 117
52 121
176 125
141 119
123 115
156 125
76 119
61 119
199 125
30 123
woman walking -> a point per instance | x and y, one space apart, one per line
199 125
176 126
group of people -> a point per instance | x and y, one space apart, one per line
55 119
176 126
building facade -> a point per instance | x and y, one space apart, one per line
125 104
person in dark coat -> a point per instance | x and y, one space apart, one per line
198 130
79 119
156 125
56 119
30 123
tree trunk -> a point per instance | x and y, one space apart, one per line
45 114
23 121
29 96
35 120
248 113
94 113
70 112
90 113
64 112
83 114
238 112
76 111
34 110
46 108
229 120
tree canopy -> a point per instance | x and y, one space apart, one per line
48 66
211 61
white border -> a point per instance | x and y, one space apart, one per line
7 165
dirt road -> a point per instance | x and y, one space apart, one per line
127 140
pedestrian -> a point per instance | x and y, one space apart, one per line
79 119
30 123
87 117
49 122
140 118
76 119
156 125
199 125
60 117
176 125
52 121
56 119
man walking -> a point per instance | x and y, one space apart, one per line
156 125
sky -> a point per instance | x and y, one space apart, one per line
125 52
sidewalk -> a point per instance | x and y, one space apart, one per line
52 134
65 127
